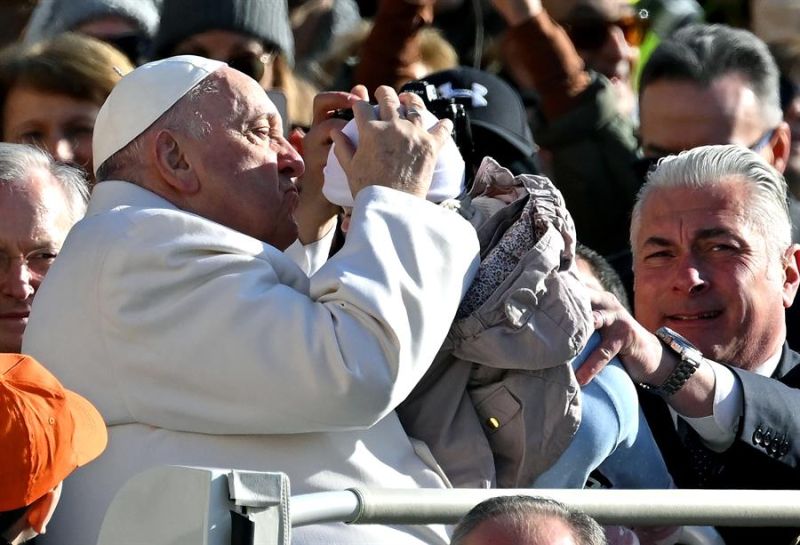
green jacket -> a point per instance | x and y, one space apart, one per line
593 149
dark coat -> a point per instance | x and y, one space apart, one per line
764 455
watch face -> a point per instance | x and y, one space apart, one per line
679 345
668 336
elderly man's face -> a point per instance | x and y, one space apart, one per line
703 268
725 112
245 166
545 531
34 221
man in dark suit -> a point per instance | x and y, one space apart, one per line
714 269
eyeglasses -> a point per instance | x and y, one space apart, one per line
592 35
644 165
37 262
764 139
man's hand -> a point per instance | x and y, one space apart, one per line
394 150
315 215
638 349
516 12
643 356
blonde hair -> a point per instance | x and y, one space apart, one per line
299 93
69 64
436 53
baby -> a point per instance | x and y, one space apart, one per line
454 409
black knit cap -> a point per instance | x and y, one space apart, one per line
266 20
493 105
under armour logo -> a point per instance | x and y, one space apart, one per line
476 94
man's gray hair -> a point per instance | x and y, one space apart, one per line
710 166
702 54
18 160
524 514
184 116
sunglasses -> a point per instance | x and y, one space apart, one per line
252 64
593 35
134 45
248 62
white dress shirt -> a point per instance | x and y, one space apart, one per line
718 430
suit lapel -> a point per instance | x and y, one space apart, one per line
788 370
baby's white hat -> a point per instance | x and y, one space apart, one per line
448 175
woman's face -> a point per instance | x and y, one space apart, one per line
240 51
58 123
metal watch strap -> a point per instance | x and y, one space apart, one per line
690 359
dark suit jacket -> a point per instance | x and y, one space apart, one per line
764 455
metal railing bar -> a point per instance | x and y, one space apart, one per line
630 507
305 509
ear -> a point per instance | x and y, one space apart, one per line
791 274
780 146
173 163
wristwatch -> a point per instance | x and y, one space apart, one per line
690 359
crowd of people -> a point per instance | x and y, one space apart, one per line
302 237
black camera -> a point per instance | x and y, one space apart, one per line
343 113
442 108
446 108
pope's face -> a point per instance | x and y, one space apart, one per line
245 167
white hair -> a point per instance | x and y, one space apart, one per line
17 161
710 166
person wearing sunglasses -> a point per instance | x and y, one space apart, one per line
128 25
587 140
607 35
252 36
